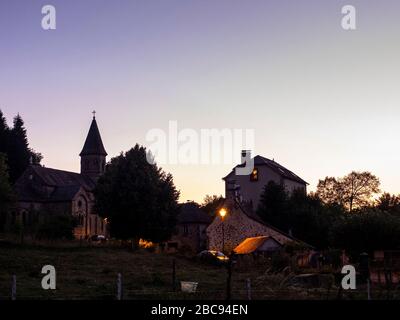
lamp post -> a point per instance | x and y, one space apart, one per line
222 213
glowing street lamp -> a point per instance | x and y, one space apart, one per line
222 213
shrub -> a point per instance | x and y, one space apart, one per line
56 227
367 231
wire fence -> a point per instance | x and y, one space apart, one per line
118 292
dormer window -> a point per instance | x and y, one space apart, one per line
254 175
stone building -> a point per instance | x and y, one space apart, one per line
44 191
240 223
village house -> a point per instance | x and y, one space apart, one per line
42 191
242 194
190 233
226 233
265 170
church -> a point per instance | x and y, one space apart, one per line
43 191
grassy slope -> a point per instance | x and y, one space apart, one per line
90 273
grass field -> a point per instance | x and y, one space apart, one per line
91 273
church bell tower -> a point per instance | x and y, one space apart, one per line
93 154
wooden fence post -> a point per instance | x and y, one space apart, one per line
173 275
369 289
248 285
14 288
119 287
228 280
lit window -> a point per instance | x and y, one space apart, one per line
254 175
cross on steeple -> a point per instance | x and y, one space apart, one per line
94 114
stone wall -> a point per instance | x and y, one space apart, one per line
237 227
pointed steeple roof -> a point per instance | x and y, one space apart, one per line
93 144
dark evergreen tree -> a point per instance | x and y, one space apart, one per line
306 217
19 154
273 206
310 219
137 197
6 194
4 133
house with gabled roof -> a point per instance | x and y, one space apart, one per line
190 232
242 193
241 222
250 187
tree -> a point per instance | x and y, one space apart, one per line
18 149
306 216
14 143
36 157
352 191
4 134
138 198
388 202
330 191
367 230
212 203
310 219
273 206
6 193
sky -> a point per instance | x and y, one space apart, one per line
322 101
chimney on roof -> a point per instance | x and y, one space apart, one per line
245 155
246 152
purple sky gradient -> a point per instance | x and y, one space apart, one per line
322 101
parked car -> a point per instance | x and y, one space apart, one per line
213 256
98 238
